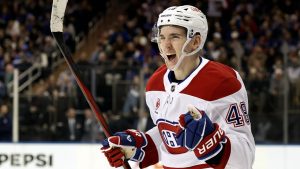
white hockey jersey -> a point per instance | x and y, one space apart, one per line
219 91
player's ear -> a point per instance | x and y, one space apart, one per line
196 41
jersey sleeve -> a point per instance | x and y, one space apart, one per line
151 150
231 113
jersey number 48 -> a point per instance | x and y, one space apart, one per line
238 115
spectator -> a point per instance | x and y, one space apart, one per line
91 129
131 107
276 91
66 83
293 71
3 92
9 73
238 51
5 124
70 129
257 86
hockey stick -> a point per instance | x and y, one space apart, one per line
56 26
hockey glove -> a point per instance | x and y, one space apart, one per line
124 145
197 133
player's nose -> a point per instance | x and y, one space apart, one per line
167 46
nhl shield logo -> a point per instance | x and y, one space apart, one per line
172 88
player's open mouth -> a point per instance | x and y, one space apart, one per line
171 57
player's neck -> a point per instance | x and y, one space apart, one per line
186 69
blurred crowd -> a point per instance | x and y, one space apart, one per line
260 39
25 37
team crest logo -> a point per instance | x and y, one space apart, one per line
157 105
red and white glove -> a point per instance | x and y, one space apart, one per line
114 156
197 133
124 145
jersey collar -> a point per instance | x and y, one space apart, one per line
172 85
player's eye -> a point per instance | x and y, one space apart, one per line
174 37
162 38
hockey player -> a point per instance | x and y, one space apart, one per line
200 107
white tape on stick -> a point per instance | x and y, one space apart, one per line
57 15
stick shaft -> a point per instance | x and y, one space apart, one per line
89 97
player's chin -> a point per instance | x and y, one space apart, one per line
170 66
